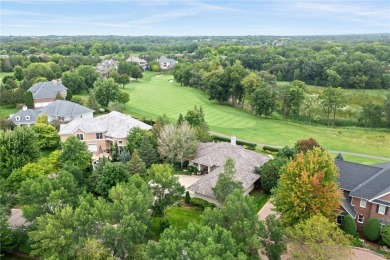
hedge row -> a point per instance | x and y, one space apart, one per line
202 203
247 145
271 149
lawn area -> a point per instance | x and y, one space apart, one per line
260 198
6 110
3 74
159 94
178 217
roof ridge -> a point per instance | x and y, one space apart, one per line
368 180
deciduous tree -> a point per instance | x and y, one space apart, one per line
331 99
274 241
48 137
105 90
226 183
270 173
73 81
76 153
136 165
112 174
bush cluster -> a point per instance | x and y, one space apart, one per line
372 229
270 149
202 203
247 145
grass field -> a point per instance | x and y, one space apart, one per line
6 110
158 94
260 198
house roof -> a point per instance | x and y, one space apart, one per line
353 174
216 154
135 59
382 165
114 124
47 89
64 108
164 59
374 187
22 113
346 204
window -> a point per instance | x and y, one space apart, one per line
363 203
360 218
120 142
17 118
339 219
99 135
80 136
27 118
381 209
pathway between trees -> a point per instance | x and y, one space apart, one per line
331 151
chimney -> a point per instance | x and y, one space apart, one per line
55 82
24 108
233 140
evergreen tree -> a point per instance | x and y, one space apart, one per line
226 184
148 152
92 103
180 120
136 165
28 99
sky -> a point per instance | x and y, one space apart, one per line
193 17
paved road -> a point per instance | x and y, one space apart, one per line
331 151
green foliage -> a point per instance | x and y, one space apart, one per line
387 109
112 174
136 72
307 187
17 148
89 74
76 153
73 81
148 151
6 237
123 98
69 95
18 73
226 183
92 103
187 198
348 225
306 145
331 99
135 138
48 137
105 90
372 229
371 115
28 99
136 165
274 241
270 173
247 145
36 70
318 238
195 242
94 250
201 203
263 101
292 97
271 149
42 119
386 234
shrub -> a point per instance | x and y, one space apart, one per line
270 149
202 203
386 235
164 224
192 168
247 145
372 229
187 198
356 241
348 225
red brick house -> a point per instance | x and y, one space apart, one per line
45 92
366 191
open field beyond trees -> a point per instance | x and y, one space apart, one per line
158 94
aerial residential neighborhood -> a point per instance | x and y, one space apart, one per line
195 130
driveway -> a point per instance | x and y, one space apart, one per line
266 210
188 180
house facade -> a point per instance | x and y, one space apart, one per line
210 160
24 117
165 63
141 62
46 92
106 66
366 191
100 132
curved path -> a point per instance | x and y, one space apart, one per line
331 151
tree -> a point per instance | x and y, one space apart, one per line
123 79
136 165
195 118
387 109
123 98
89 74
177 143
135 139
331 99
310 103
105 90
28 99
292 97
371 115
113 173
306 145
307 187
195 242
73 81
48 137
270 173
318 238
94 249
148 152
92 103
154 66
42 119
238 215
53 235
36 70
136 72
333 78
125 67
274 242
386 234
372 229
6 238
263 101
250 83
226 183
17 148
348 225
165 187
18 73
76 153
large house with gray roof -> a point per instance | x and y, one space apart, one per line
104 67
166 63
46 92
210 160
100 132
141 62
366 191
60 110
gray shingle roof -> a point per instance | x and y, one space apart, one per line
135 59
216 154
114 124
353 174
382 165
64 108
22 117
164 59
47 89
375 186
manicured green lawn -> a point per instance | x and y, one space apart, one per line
3 74
6 110
159 94
260 198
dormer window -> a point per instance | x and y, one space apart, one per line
17 118
27 118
